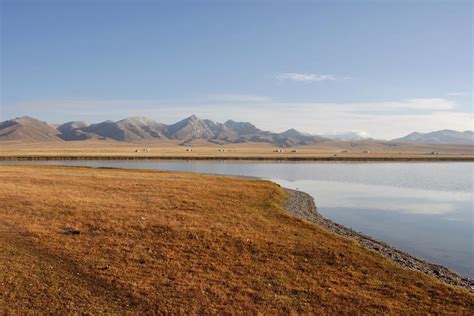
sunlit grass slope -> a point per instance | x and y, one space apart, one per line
105 240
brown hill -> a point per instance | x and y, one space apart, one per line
28 129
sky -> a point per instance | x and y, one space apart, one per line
384 69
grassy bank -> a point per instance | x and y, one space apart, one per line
321 157
107 150
107 240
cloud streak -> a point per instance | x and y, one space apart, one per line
304 77
237 98
413 104
458 94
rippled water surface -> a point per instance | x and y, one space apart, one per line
425 209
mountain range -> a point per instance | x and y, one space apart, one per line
140 129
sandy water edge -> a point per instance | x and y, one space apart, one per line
302 205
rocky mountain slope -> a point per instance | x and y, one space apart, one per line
129 130
137 129
445 136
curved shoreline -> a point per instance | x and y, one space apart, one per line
302 205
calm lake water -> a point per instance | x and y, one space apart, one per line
425 209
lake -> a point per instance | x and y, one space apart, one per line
425 209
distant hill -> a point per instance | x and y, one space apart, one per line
28 129
445 136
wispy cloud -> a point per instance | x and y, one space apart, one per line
425 104
304 77
458 94
340 134
237 98
72 104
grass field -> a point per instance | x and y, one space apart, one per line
204 150
83 240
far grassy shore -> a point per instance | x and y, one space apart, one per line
326 151
330 157
85 240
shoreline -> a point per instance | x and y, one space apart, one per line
301 205
410 158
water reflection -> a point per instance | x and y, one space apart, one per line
396 199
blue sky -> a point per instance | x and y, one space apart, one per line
323 67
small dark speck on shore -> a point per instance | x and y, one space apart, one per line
71 231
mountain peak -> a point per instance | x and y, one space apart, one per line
26 119
191 127
193 117
293 133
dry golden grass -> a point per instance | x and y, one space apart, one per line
186 243
201 149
